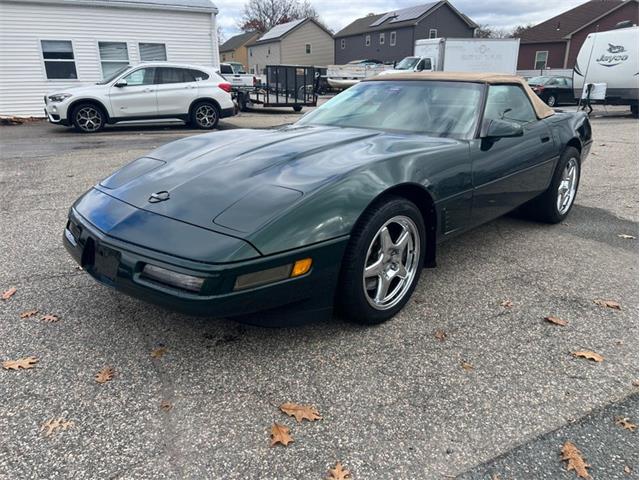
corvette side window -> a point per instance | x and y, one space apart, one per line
509 102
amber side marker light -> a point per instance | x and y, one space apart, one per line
301 267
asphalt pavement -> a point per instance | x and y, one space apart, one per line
395 401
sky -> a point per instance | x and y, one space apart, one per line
503 14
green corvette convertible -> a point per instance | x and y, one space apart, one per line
338 212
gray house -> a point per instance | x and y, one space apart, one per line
390 36
300 42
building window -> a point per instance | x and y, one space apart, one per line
541 60
433 33
113 56
268 51
343 44
59 62
307 48
367 40
152 52
392 39
382 39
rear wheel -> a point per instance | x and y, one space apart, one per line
383 261
297 108
556 202
552 100
88 118
205 115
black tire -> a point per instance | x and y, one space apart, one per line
297 108
205 115
242 101
351 301
634 110
551 100
545 208
88 117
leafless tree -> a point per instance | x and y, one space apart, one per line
262 15
487 31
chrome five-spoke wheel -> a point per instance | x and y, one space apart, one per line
568 186
391 263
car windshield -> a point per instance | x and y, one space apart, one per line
407 63
114 75
436 108
538 80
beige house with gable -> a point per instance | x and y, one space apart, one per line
300 42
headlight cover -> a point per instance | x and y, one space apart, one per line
59 97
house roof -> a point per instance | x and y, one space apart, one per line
237 41
185 5
278 32
404 17
563 26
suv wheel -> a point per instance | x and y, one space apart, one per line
205 115
88 118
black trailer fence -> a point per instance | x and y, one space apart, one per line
286 86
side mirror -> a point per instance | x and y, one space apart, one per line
120 83
502 128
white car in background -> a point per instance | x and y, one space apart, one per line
197 95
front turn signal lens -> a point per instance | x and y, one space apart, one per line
301 267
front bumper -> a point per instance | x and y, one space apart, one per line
56 112
286 302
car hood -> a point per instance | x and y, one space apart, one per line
236 181
76 90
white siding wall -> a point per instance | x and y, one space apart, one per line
262 55
189 38
322 50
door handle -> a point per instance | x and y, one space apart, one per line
545 139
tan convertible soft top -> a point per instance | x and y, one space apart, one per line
541 108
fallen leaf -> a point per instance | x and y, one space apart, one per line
626 424
573 457
589 355
627 470
301 412
166 405
28 313
506 304
24 363
608 304
339 473
7 294
636 383
467 366
626 237
440 335
78 267
55 424
280 434
158 352
556 321
49 318
104 375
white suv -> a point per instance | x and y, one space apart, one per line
195 94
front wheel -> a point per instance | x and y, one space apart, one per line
555 203
205 115
88 118
383 261
552 100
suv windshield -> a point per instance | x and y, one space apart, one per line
407 63
436 108
114 75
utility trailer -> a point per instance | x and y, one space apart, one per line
292 86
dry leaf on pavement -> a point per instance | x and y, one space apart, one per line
54 425
608 304
49 318
104 375
166 405
29 313
627 469
7 294
626 237
636 382
339 473
506 304
573 457
440 335
280 434
589 355
301 412
24 363
556 321
467 366
158 352
626 424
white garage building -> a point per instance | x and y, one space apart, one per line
49 44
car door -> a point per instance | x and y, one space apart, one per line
509 171
565 90
136 97
177 88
